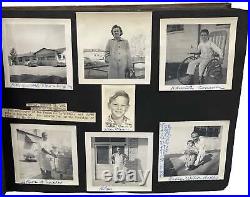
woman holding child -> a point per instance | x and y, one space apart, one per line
195 151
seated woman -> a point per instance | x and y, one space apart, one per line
199 144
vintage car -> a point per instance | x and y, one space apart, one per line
29 157
31 63
93 63
61 60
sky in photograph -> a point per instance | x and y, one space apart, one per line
94 29
59 136
33 37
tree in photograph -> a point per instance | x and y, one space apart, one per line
13 56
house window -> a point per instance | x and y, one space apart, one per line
41 58
102 139
20 59
50 57
106 139
175 28
208 131
102 155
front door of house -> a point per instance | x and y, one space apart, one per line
103 158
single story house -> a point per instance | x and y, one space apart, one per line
44 57
26 142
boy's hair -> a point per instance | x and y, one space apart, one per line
205 31
190 141
117 94
195 132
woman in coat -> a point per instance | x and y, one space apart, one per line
118 55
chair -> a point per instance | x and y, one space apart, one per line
212 73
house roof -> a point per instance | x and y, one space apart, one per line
25 54
60 50
28 133
30 54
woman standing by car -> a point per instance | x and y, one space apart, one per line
117 55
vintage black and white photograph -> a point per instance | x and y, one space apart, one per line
119 161
37 53
197 54
45 154
118 107
116 50
192 150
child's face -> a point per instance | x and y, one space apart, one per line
119 107
190 144
204 37
195 137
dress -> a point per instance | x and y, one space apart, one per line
206 49
42 157
111 125
118 56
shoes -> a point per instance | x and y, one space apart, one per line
189 79
201 80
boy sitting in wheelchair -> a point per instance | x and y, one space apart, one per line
206 48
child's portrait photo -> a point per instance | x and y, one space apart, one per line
115 51
197 54
192 150
118 107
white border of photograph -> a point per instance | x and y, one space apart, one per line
231 53
165 137
130 90
90 166
80 46
17 170
68 43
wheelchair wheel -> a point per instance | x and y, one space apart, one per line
212 74
182 70
130 73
